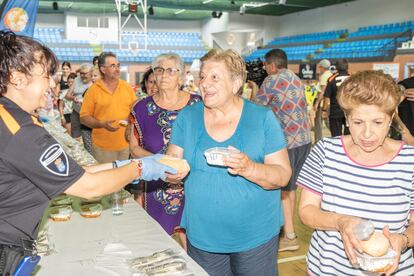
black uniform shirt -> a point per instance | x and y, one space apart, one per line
33 169
331 91
406 107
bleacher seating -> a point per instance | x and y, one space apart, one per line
293 53
358 49
369 42
386 29
188 45
306 38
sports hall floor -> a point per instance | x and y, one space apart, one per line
293 263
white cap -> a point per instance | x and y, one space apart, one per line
325 63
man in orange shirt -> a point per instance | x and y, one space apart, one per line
106 104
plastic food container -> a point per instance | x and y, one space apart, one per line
376 264
60 213
215 155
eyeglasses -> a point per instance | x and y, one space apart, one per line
83 73
170 71
113 66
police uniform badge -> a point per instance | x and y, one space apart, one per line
55 160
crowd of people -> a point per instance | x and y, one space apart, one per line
231 219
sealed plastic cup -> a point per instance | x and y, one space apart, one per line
364 230
117 204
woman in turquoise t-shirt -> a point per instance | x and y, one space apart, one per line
233 213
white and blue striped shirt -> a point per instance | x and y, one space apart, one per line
383 194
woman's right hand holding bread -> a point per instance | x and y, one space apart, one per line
181 166
345 226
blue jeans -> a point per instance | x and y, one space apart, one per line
259 261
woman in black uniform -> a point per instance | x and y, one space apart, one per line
65 106
33 166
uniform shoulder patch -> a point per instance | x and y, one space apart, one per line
55 160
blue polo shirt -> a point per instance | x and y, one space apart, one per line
224 213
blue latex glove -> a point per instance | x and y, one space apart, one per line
153 170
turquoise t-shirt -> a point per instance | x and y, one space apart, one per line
224 213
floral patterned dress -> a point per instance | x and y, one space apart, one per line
152 128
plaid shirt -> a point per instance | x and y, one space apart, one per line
284 93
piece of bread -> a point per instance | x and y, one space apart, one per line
181 165
123 123
91 210
60 218
377 245
383 269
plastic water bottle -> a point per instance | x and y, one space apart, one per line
117 204
364 230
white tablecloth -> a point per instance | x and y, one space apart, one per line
79 241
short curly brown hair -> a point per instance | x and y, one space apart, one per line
233 62
369 87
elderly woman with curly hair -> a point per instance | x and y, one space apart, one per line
233 212
152 119
361 176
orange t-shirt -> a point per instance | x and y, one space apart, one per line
103 105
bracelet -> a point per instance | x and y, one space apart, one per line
139 163
407 243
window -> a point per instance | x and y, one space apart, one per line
82 21
93 22
104 22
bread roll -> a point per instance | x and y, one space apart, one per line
60 218
180 165
377 245
123 123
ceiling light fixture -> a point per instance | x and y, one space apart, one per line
216 14
251 5
179 11
55 5
242 9
207 1
151 10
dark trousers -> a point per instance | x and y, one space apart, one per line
338 127
259 261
